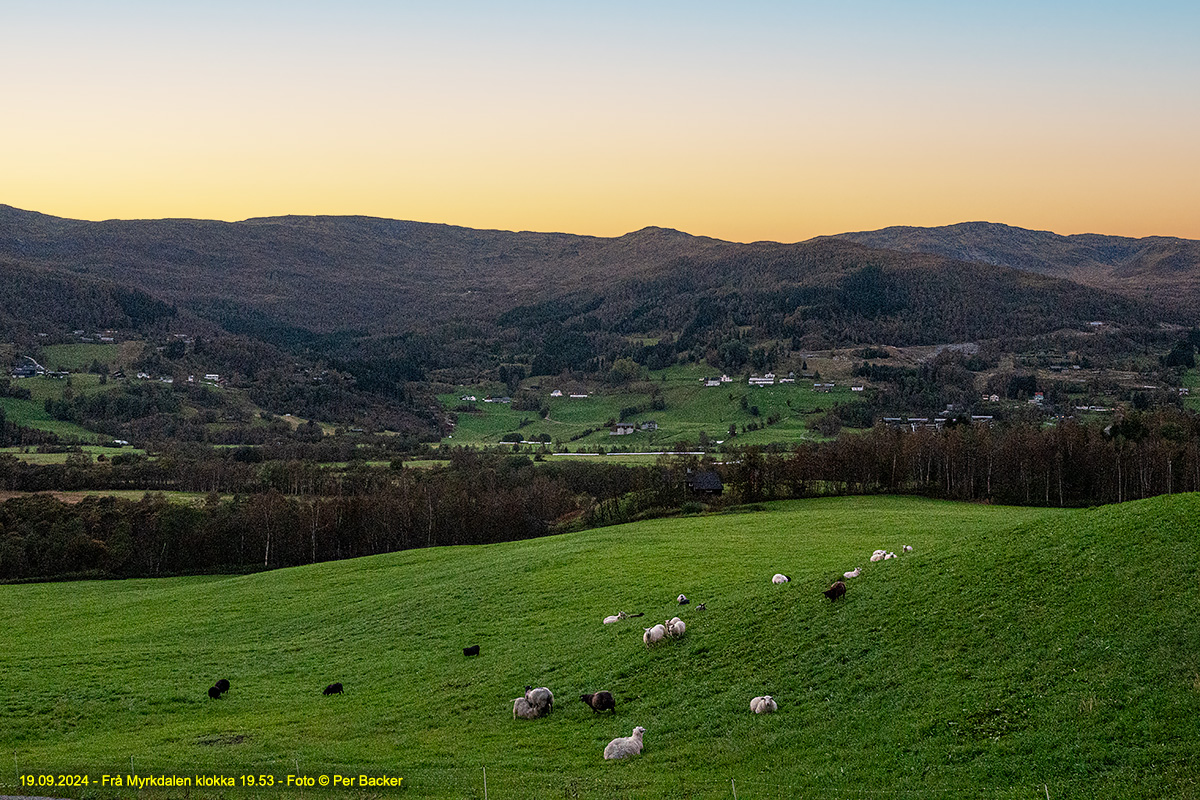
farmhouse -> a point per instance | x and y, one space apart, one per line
707 482
765 380
622 429
648 425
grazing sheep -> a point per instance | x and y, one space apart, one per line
624 746
214 693
473 650
333 688
682 600
654 634
908 548
838 589
780 578
541 698
675 627
764 705
854 573
223 685
600 701
620 615
523 709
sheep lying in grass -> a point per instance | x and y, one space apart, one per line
889 555
908 548
702 607
620 615
764 705
654 634
523 709
624 746
854 573
780 578
675 627
541 698
600 701
878 555
682 600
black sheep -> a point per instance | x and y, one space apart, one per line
333 688
838 589
600 701
223 685
214 693
473 650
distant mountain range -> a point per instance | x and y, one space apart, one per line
1160 265
385 276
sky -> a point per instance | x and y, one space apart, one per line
744 121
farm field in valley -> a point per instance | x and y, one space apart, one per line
688 408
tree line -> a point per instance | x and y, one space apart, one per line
278 513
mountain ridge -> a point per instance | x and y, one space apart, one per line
327 273
1114 262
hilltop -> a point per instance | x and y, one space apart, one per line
1013 652
1162 266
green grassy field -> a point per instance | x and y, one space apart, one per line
1191 381
1015 653
81 355
31 414
690 408
61 458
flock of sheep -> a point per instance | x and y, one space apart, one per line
540 701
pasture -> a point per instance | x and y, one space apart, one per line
1014 653
688 409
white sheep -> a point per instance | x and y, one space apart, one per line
764 705
780 578
889 555
523 709
908 548
654 634
541 698
620 615
625 745
878 555
675 627
854 573
682 600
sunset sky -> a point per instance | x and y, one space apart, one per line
742 121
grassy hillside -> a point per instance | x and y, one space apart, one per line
1013 648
